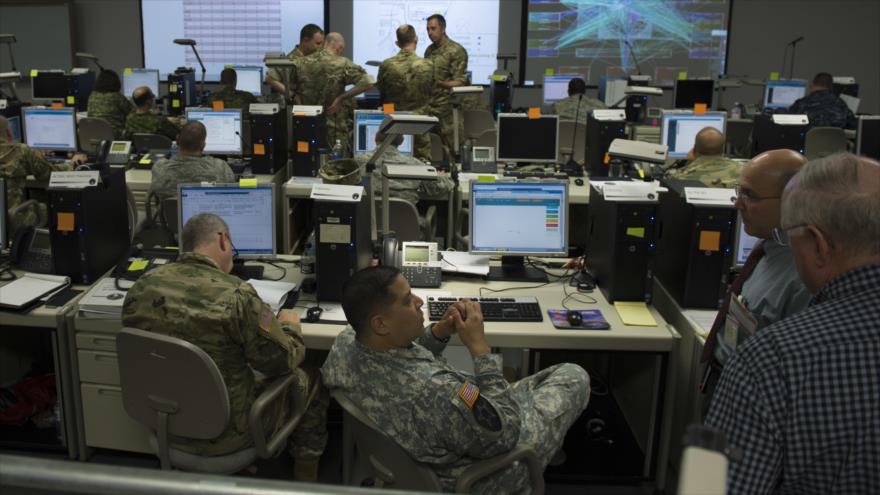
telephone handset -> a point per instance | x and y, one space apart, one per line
390 251
32 250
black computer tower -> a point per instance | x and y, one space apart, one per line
269 148
342 236
79 87
620 246
308 136
768 135
600 133
694 247
89 227
181 91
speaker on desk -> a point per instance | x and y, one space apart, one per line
602 127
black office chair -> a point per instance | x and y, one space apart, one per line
145 143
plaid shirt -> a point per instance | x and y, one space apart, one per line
802 397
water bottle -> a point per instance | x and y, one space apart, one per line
336 154
736 111
307 262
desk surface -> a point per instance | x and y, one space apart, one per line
41 316
139 180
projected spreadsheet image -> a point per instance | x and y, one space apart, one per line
247 212
515 219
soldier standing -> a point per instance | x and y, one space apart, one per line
450 70
311 39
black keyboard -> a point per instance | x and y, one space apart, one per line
522 308
538 174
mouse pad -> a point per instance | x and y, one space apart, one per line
593 319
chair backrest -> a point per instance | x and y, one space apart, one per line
169 214
572 139
488 138
144 142
824 141
160 374
403 219
388 461
90 131
737 138
477 122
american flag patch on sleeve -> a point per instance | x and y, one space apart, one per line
265 320
469 393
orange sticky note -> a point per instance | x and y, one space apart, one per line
710 240
57 105
606 159
65 222
302 146
534 112
218 105
259 149
388 108
699 108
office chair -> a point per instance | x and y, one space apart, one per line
90 131
567 130
488 138
169 217
476 122
738 138
151 371
824 141
132 213
144 142
406 222
392 467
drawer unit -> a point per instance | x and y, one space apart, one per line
106 423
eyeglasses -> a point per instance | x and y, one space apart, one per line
780 234
750 198
234 250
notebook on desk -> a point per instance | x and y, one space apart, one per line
28 289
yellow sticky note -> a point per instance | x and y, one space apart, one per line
710 240
137 266
71 100
548 71
387 108
34 72
700 108
774 76
634 313
636 232
145 161
534 112
247 182
65 222
302 146
218 105
228 66
127 71
486 178
682 75
259 149
175 103
172 87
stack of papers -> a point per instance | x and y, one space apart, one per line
104 300
634 313
272 292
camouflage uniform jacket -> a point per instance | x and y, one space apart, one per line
234 98
181 169
193 300
567 108
407 80
824 109
112 107
17 161
276 74
714 171
450 64
409 189
149 123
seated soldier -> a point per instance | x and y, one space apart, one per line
578 104
706 163
231 97
144 121
189 165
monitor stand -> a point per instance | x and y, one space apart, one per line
514 269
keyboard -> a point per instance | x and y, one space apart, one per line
538 174
422 276
522 308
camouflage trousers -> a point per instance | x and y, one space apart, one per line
309 438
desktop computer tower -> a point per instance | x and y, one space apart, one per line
620 246
694 247
768 135
343 240
269 150
181 91
308 137
600 133
89 227
79 87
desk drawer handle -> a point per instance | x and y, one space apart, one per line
99 357
100 341
107 391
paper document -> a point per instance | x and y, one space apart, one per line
29 287
104 300
703 318
635 313
305 180
274 293
463 262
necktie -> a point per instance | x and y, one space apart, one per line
734 290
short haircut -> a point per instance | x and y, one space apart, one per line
142 95
365 293
309 31
192 136
440 20
228 77
823 80
200 229
709 141
397 141
834 195
406 34
108 81
577 86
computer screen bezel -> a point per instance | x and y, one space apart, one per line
782 82
240 129
500 158
564 210
230 185
863 118
676 92
34 97
16 119
71 111
356 136
740 229
664 123
236 68
556 76
133 70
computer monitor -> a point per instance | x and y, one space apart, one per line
50 129
868 136
528 140
678 130
248 211
135 78
781 94
517 219
224 129
366 125
689 92
15 127
249 78
3 209
744 244
49 85
556 87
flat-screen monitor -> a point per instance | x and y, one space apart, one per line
366 125
50 129
517 219
135 78
744 244
3 209
781 94
49 85
556 87
15 127
678 130
527 140
249 78
224 129
248 211
689 92
868 136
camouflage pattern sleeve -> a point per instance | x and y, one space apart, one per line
436 188
269 347
38 166
433 344
355 74
458 61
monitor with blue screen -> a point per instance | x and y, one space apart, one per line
781 94
678 130
135 78
249 78
366 125
50 129
224 129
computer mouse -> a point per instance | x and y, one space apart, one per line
313 314
579 182
574 318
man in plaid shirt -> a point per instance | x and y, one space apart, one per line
802 397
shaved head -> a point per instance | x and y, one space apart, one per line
773 169
761 183
709 141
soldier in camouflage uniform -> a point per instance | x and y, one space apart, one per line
106 102
407 81
321 78
822 106
231 97
17 161
391 367
197 300
311 39
706 164
567 108
143 120
189 165
450 70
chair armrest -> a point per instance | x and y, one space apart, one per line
267 448
482 469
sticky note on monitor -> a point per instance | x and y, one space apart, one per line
700 108
710 240
534 112
302 146
774 76
682 75
127 71
548 71
175 103
634 313
247 182
218 105
387 108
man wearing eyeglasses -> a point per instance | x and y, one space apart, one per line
801 398
768 288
